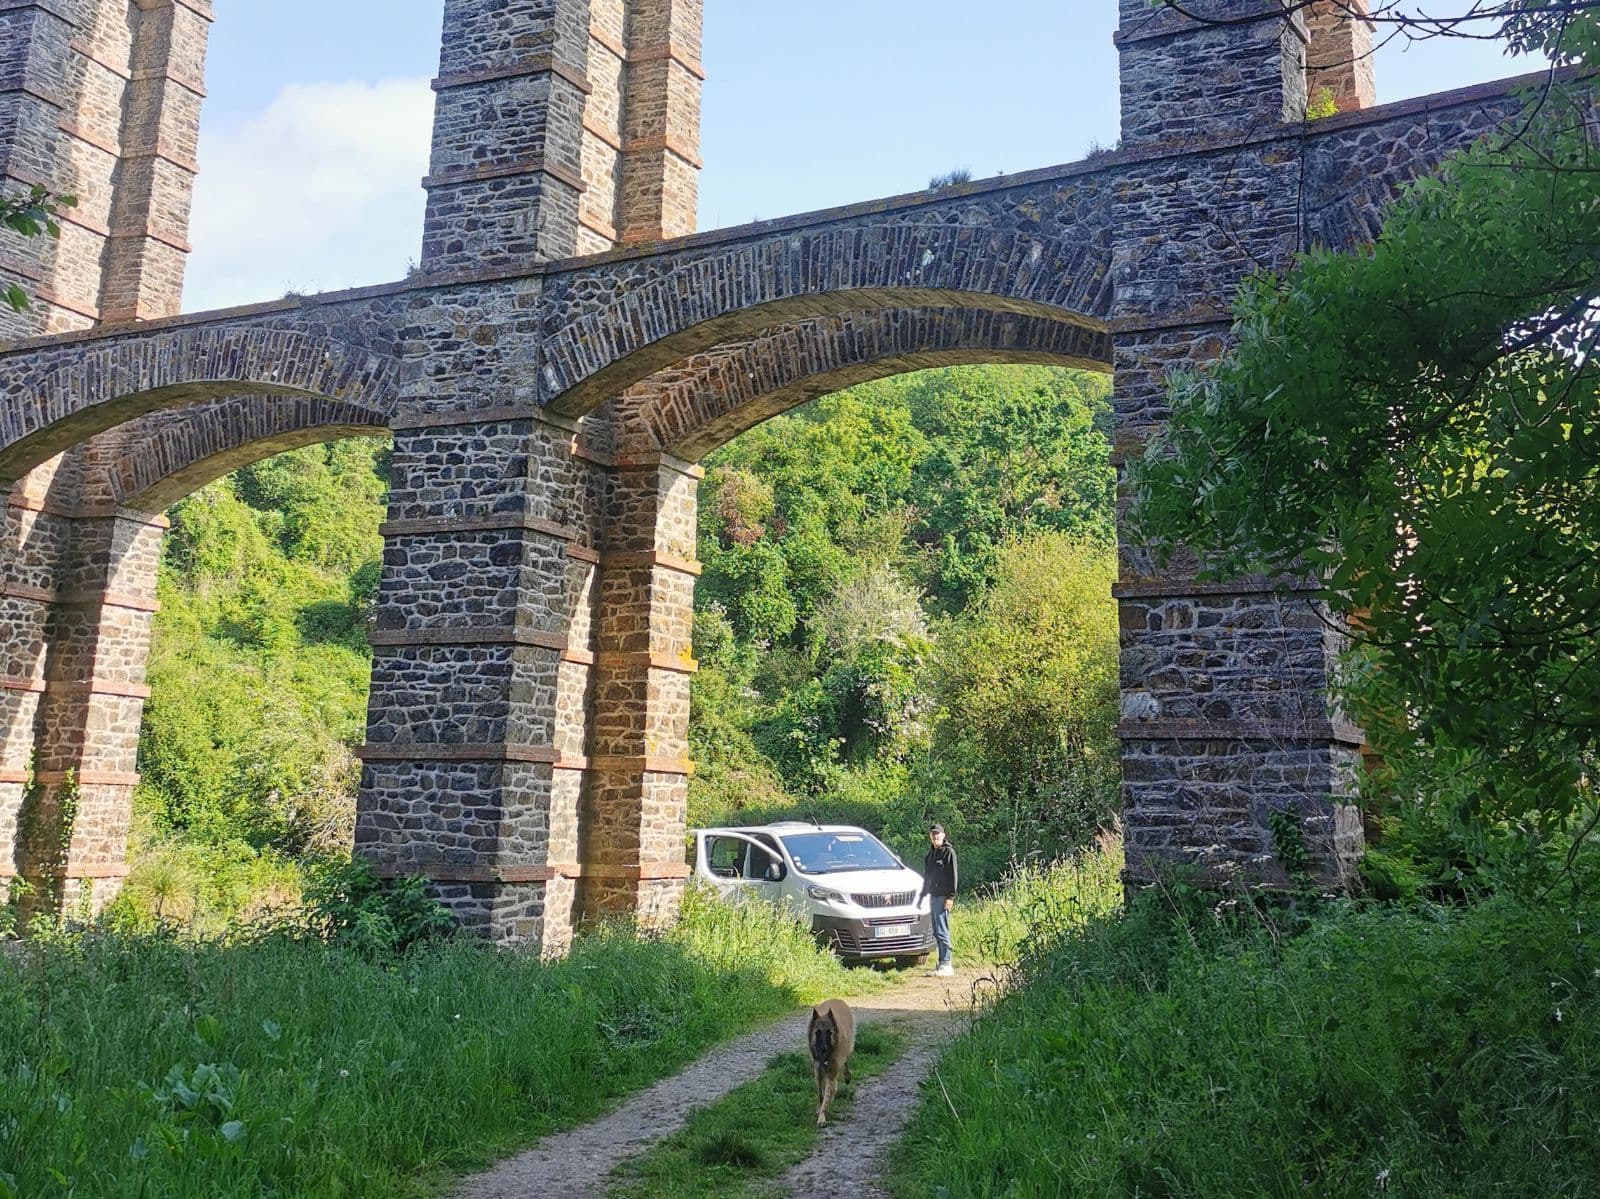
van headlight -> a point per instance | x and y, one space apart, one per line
826 896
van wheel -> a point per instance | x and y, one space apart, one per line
907 960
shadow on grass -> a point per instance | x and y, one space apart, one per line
1426 1051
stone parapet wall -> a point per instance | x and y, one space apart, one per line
1355 162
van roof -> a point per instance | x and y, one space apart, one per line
783 826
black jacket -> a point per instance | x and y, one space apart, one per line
939 872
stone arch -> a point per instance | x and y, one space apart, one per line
60 395
152 462
1041 251
689 409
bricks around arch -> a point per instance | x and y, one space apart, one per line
152 462
1041 248
692 407
59 393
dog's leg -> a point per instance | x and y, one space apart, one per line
822 1095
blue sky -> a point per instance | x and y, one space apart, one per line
315 132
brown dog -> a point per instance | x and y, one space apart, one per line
832 1035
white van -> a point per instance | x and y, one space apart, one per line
851 889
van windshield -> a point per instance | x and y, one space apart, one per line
834 853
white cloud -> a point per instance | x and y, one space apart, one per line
320 190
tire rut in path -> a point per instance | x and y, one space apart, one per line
574 1164
852 1156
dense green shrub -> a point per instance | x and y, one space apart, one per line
139 1065
204 887
1423 1052
1035 906
259 665
1025 745
349 906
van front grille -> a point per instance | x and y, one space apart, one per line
899 899
849 942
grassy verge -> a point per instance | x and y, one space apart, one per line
735 1147
1432 1052
1035 906
136 1066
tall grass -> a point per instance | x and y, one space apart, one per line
1426 1052
1035 906
137 1066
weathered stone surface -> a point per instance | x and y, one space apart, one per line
1339 54
528 723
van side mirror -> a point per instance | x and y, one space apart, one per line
774 872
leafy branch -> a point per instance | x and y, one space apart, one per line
34 213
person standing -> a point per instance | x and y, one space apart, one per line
939 884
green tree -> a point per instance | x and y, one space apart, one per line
1418 425
1010 451
1025 742
259 664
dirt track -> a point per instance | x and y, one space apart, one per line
575 1163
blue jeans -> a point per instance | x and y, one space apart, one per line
941 929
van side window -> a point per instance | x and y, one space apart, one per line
756 866
725 855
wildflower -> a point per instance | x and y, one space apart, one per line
1558 1015
1381 1179
344 1074
457 1016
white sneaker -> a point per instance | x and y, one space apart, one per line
944 971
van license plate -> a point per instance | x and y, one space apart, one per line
892 930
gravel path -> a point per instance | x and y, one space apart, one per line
575 1163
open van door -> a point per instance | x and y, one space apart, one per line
736 864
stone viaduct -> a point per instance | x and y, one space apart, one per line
567 352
